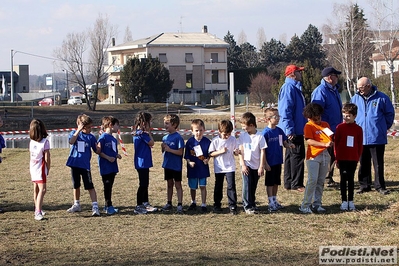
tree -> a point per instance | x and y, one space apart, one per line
242 38
233 53
249 56
387 32
261 37
261 88
352 48
272 52
145 77
311 44
295 50
73 55
128 35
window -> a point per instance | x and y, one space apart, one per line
215 76
189 58
163 58
215 57
189 81
383 70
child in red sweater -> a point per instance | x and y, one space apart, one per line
348 147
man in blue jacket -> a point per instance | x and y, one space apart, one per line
290 107
375 115
327 95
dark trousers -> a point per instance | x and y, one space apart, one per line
374 153
231 189
347 171
330 174
249 185
144 181
294 166
108 181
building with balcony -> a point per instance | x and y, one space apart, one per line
197 63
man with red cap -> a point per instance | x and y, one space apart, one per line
290 107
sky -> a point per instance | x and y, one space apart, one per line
33 29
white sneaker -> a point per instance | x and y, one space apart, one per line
344 206
74 208
351 206
250 211
149 207
306 210
273 207
140 209
38 216
95 211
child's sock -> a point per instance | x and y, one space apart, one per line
270 200
194 202
94 204
274 198
77 202
203 205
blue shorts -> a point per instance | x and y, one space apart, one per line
194 182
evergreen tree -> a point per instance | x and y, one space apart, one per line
249 57
272 52
145 77
233 53
313 51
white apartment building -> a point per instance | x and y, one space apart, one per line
197 63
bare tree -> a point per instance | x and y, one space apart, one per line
128 35
261 88
386 32
82 67
242 38
261 37
351 45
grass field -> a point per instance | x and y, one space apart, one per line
283 238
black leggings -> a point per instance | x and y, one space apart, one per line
347 171
108 181
144 180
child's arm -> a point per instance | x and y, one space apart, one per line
219 152
261 170
72 140
244 168
178 152
47 159
316 143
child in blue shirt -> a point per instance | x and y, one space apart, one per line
196 155
172 149
143 142
107 159
275 140
82 143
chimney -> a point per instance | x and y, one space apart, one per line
113 41
205 29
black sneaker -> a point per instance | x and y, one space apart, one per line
217 209
233 210
363 190
193 207
204 209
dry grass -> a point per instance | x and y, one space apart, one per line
284 238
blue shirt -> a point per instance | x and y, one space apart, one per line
200 170
172 161
375 115
274 150
80 153
142 151
109 146
290 107
330 99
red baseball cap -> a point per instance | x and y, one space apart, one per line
292 68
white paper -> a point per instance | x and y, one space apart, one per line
114 146
328 131
198 151
247 151
280 140
81 146
350 141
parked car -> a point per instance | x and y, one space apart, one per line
74 100
46 102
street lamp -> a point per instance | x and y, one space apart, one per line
211 79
